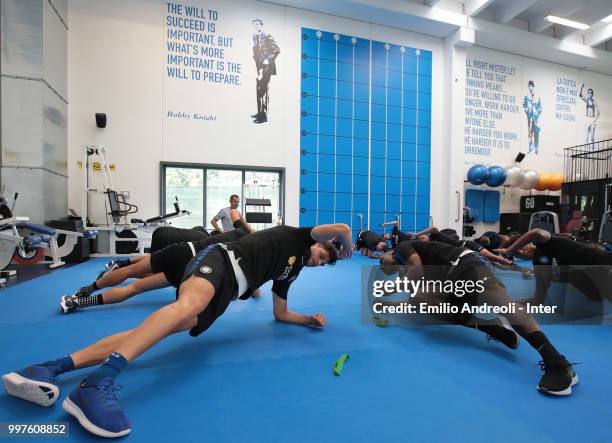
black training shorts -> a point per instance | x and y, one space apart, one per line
169 235
212 264
172 261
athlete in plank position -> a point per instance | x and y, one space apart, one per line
216 276
437 261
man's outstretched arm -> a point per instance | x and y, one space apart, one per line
535 235
389 223
284 314
427 231
338 231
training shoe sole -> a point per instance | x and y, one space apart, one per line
76 412
564 392
506 324
65 309
41 393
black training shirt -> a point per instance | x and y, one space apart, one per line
452 240
369 240
567 252
273 254
225 237
431 252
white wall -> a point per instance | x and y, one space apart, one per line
116 65
114 59
556 134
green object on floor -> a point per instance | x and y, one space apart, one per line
339 364
380 322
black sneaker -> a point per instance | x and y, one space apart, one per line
506 334
108 267
558 378
85 291
69 303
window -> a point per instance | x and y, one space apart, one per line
205 189
260 184
186 184
220 184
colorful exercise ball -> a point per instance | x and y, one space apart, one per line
478 174
543 182
514 176
530 179
497 176
556 182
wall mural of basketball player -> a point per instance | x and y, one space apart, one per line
532 105
592 113
265 51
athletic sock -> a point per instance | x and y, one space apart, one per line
87 290
540 343
113 365
92 300
61 365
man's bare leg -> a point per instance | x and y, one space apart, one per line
96 353
116 295
37 383
195 294
140 269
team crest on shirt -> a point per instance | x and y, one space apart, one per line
288 268
205 270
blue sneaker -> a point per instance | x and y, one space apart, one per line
97 410
34 383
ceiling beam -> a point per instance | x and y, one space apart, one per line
599 31
475 7
438 22
432 2
542 47
392 13
511 9
598 34
561 8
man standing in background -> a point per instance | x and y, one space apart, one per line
532 105
265 51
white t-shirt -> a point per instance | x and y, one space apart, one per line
226 220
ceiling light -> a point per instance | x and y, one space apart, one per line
607 19
566 22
